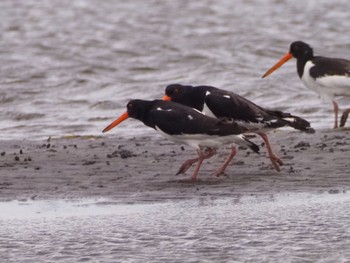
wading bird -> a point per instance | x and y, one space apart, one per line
188 126
330 77
228 106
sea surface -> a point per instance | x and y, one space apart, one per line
287 227
68 67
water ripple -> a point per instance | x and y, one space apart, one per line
118 51
295 226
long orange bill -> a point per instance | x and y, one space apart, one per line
283 60
122 117
166 97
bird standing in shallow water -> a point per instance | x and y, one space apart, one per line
185 125
329 77
227 105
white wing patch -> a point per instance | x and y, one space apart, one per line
289 119
227 96
207 111
198 111
160 109
272 121
190 117
259 118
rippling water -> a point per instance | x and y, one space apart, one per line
263 228
69 67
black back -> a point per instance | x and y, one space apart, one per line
175 119
330 67
227 104
188 95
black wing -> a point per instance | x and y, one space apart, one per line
180 119
231 105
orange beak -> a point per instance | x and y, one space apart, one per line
283 60
122 117
166 97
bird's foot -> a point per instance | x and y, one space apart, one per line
277 162
218 172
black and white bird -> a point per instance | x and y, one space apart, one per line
227 105
330 77
188 126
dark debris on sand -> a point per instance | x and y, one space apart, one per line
144 169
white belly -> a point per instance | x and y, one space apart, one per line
198 141
327 86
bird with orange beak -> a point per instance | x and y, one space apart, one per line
330 77
185 125
227 105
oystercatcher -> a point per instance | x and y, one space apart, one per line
220 103
329 77
185 125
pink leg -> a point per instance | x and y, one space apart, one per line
273 157
186 165
202 156
336 109
227 161
344 117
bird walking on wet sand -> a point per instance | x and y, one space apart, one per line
185 125
220 103
330 77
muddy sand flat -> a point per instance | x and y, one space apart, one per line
143 168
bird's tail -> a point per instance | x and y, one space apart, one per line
299 123
294 121
253 146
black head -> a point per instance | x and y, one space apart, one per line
177 91
190 96
300 49
139 109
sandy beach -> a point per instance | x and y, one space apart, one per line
143 169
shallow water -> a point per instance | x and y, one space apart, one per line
298 227
69 67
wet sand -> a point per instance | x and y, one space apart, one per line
142 169
107 198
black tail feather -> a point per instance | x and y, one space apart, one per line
253 146
300 124
293 121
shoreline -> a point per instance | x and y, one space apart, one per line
143 169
